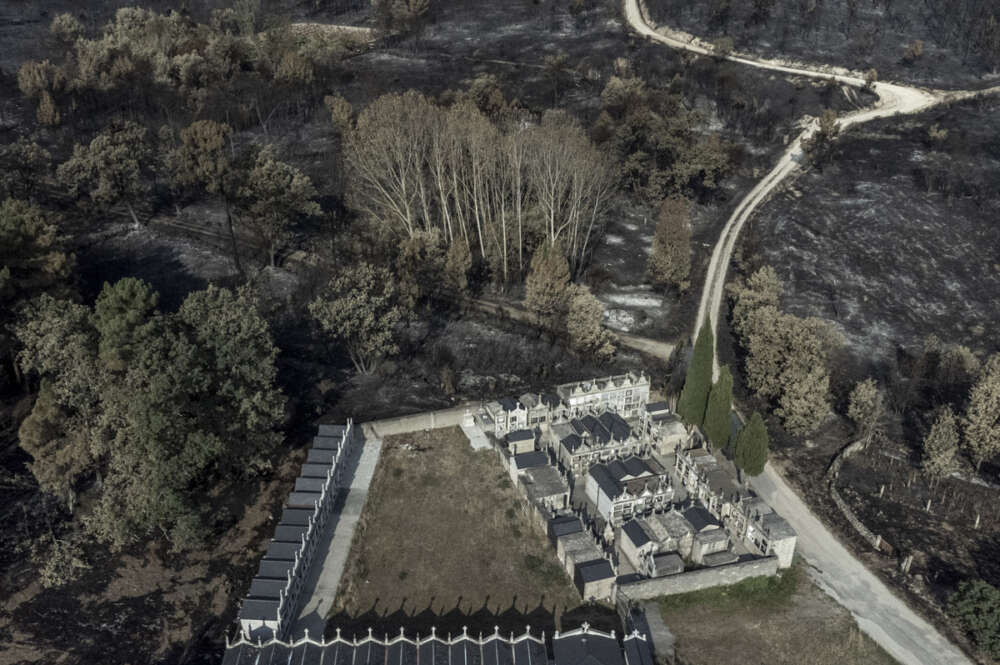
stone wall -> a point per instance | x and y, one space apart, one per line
428 420
703 578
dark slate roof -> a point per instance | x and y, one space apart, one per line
635 533
332 430
699 518
591 571
261 587
315 470
605 480
637 651
508 403
260 608
587 649
320 457
521 435
656 407
636 467
529 460
310 484
561 526
596 429
551 400
295 516
616 425
290 533
274 569
326 442
398 652
282 551
571 442
303 499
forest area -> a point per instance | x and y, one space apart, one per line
151 407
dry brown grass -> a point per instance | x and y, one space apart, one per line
443 541
785 622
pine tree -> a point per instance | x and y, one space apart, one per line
694 397
982 419
750 449
866 408
546 289
720 404
669 263
583 325
941 444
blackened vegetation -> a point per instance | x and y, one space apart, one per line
952 43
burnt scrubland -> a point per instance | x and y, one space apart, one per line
951 44
154 164
891 243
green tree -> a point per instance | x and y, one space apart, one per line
750 448
698 383
546 289
203 159
982 418
120 311
23 164
669 263
718 413
762 289
275 193
33 260
977 605
110 169
360 311
194 407
941 444
866 408
584 325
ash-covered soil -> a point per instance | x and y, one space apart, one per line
874 37
896 238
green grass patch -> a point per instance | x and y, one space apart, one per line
756 592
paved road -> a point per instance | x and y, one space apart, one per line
881 614
321 587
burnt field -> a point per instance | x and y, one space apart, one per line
952 50
897 238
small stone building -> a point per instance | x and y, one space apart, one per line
576 548
595 580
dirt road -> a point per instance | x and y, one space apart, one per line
895 627
893 98
882 615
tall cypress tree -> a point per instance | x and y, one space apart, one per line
750 449
720 403
694 397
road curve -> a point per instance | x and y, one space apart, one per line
879 613
893 98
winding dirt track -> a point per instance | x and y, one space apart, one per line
893 98
880 613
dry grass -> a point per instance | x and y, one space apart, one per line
773 621
444 541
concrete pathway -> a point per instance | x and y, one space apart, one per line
881 614
320 588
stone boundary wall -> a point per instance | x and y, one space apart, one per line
450 417
703 578
832 473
